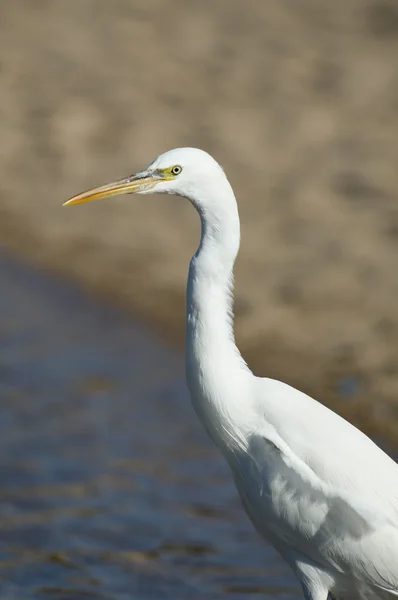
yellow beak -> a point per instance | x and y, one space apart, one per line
135 183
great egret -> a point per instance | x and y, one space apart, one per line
316 487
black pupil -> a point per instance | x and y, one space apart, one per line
176 170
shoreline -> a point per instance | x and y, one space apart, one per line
165 316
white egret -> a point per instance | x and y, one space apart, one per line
316 487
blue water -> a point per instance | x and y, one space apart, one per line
109 489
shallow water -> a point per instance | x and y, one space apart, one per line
108 487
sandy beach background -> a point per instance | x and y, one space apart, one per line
297 100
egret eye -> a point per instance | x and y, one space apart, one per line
176 170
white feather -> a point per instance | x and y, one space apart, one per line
320 490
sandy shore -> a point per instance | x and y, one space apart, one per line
298 101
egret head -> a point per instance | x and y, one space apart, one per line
183 171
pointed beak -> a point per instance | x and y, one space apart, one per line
136 183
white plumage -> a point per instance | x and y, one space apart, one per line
315 486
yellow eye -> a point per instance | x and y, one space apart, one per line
176 170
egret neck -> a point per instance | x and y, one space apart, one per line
215 368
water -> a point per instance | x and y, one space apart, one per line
109 489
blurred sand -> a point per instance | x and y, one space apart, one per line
299 102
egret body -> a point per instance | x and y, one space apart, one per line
317 488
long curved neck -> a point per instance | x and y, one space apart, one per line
213 362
